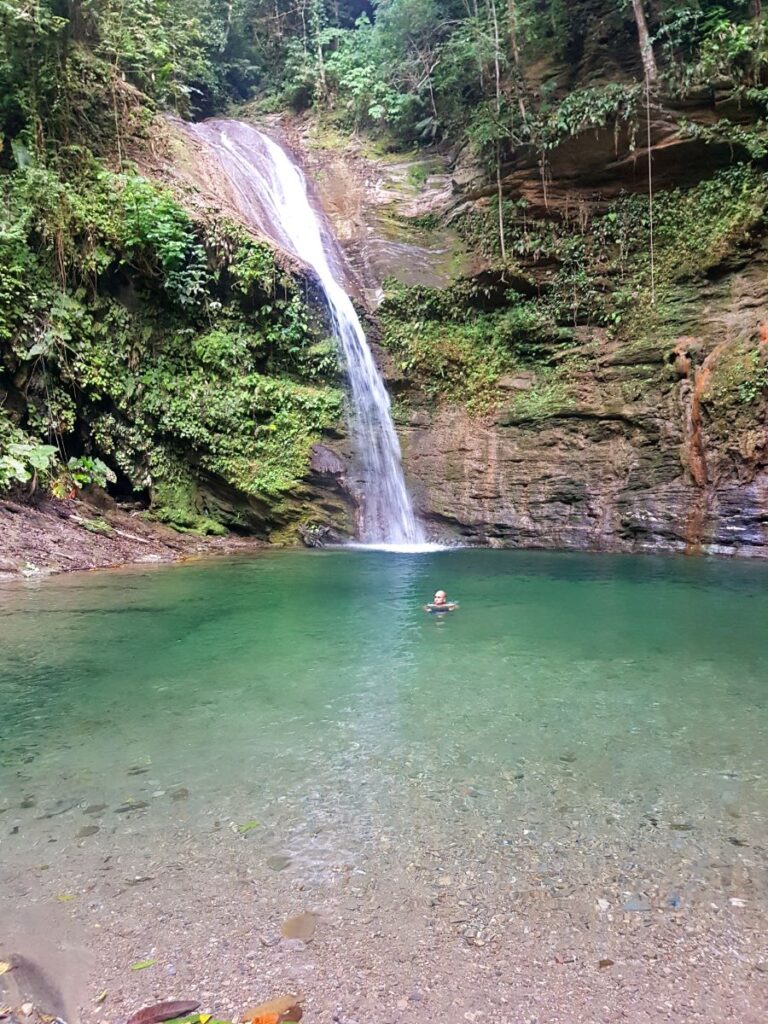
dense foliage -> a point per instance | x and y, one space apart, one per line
421 69
129 331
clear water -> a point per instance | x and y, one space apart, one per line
600 696
271 193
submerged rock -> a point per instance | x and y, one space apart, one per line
87 830
637 906
301 927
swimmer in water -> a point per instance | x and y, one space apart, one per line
440 603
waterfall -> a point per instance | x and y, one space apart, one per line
271 194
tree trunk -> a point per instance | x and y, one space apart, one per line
519 85
646 49
499 187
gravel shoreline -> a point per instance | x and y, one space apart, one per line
51 537
444 927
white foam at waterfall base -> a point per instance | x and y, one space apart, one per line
424 548
271 193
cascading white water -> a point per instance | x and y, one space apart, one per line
271 193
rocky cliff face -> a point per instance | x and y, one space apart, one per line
658 439
655 436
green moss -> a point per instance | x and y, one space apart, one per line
174 349
738 379
98 526
601 269
551 392
450 350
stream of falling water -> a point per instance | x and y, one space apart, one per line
271 193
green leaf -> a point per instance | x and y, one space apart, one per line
142 965
249 826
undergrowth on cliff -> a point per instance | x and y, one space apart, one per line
600 264
597 276
163 346
450 348
738 379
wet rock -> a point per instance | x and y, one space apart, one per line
27 803
60 807
131 805
637 906
278 863
182 793
301 927
95 808
163 1011
320 536
86 831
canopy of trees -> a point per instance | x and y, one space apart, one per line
421 70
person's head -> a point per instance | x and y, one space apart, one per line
441 597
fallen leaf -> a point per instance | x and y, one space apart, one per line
141 965
301 927
249 826
101 996
5 967
276 1011
606 963
65 897
164 1011
204 1018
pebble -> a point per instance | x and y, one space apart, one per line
95 808
638 906
278 863
86 830
131 805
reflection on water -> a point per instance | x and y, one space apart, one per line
596 721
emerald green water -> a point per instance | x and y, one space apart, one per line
613 709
